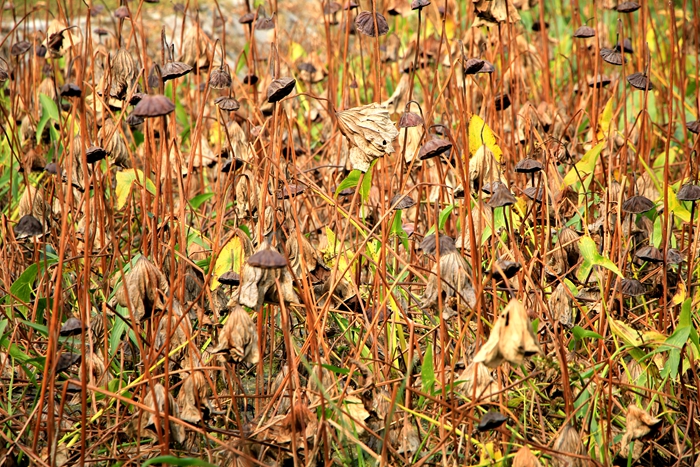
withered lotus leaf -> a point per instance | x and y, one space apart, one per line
179 328
238 340
568 441
639 424
560 306
156 404
369 131
455 284
511 338
525 458
478 382
142 287
258 284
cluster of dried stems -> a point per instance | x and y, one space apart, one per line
314 233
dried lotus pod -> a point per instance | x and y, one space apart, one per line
259 285
584 32
370 133
155 401
70 90
280 88
365 24
153 106
20 48
172 70
142 287
238 339
28 227
434 148
72 327
641 81
227 103
95 154
612 57
220 78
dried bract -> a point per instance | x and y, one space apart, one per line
156 404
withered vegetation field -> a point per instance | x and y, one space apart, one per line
309 233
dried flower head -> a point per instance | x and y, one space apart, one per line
365 24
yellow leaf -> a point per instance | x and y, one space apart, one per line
605 119
296 51
676 207
478 131
125 180
680 294
585 166
230 259
634 338
216 136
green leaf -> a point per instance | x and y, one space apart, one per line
23 286
49 111
126 179
178 461
350 181
591 257
442 218
200 199
335 369
427 371
367 182
580 333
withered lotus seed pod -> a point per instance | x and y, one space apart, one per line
72 327
153 106
400 202
502 101
28 226
409 120
173 69
70 90
434 148
473 65
280 88
365 24
20 48
628 7
267 259
693 127
419 4
637 204
501 197
220 78
640 81
632 288
612 57
95 154
227 103
584 32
